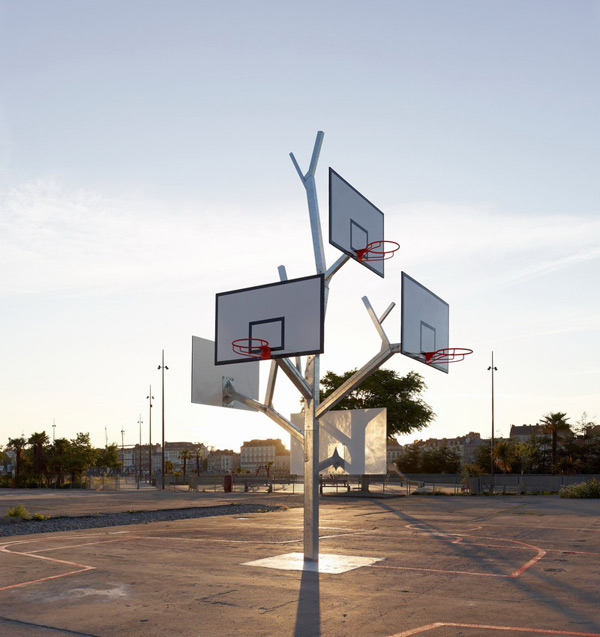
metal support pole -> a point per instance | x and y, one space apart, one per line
492 472
311 466
150 398
163 367
139 471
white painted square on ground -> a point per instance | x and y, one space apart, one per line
328 563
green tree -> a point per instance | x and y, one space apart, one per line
17 445
81 455
38 443
440 457
482 458
401 395
108 458
556 425
409 460
58 458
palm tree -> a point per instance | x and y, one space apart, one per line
503 455
185 455
38 441
555 424
17 445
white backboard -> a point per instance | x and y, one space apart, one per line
208 380
354 221
288 314
425 322
358 435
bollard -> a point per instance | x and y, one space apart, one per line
227 483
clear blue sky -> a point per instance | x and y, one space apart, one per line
144 167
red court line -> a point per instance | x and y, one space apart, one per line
81 567
539 631
540 554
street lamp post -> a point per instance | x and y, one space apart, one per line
122 449
492 369
150 398
53 430
140 421
162 367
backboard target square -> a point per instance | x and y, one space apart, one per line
289 315
425 322
354 221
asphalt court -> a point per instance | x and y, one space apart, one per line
451 566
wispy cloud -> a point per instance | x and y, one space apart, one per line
510 248
55 239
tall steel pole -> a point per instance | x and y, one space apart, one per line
311 422
492 467
140 421
150 398
163 367
122 449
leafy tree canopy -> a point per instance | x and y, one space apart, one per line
401 395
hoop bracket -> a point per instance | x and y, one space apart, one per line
256 348
377 251
447 355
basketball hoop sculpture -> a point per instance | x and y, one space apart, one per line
252 347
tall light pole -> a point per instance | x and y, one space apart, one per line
492 369
53 430
162 367
150 398
122 449
140 421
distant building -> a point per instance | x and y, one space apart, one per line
523 433
222 461
393 451
130 456
256 454
465 445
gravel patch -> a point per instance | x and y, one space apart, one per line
17 526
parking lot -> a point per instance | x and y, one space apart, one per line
437 566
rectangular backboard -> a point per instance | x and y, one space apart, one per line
289 315
354 221
358 437
425 322
208 380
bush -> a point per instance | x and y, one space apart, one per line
589 489
18 512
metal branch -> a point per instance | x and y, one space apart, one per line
293 373
376 322
336 266
313 204
356 379
386 313
283 422
271 384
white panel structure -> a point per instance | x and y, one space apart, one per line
354 439
354 221
425 322
208 380
289 315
